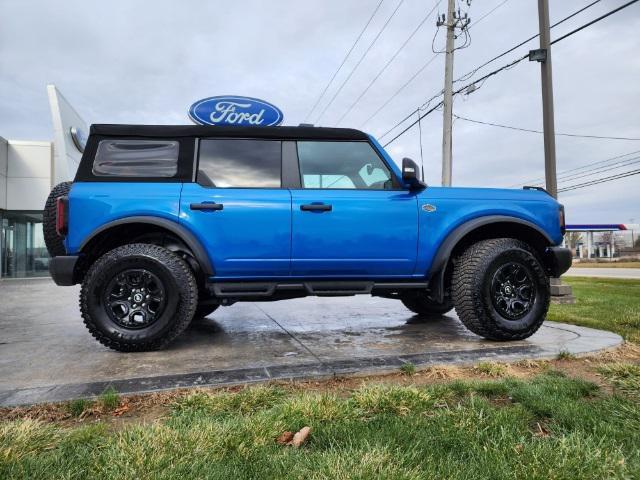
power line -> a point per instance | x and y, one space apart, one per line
389 62
595 171
344 60
515 62
472 72
468 75
418 72
518 60
353 70
487 14
583 167
405 85
520 129
596 20
600 180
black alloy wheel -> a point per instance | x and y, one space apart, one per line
500 289
513 290
138 297
135 298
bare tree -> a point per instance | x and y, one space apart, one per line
573 239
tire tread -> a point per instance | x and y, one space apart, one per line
466 288
178 268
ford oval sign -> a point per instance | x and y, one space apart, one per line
231 110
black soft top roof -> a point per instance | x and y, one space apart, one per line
286 133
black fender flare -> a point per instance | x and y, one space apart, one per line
441 259
181 232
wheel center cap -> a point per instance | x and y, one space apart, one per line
507 289
138 297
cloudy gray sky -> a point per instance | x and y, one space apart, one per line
140 61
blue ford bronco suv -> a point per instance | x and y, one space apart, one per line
166 223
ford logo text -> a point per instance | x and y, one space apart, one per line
231 110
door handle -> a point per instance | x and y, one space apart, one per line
206 206
316 207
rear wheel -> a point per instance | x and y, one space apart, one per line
52 240
138 297
422 304
500 289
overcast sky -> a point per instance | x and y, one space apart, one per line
142 62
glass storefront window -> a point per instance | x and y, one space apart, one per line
22 249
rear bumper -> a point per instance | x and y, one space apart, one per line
559 260
62 269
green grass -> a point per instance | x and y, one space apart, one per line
491 369
546 427
609 304
78 406
624 376
565 355
408 369
109 399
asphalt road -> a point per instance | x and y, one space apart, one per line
604 272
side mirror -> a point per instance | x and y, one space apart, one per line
410 174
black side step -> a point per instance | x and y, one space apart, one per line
318 288
338 288
244 289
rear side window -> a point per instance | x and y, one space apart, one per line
229 163
136 158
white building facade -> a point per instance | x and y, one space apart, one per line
28 171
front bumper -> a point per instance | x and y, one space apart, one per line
559 260
62 269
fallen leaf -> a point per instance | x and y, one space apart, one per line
300 437
285 438
543 431
121 409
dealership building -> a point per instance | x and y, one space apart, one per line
28 171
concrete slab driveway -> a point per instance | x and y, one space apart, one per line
46 354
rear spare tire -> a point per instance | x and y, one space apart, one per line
500 289
138 297
52 240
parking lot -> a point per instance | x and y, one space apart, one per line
46 354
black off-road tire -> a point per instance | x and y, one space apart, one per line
204 311
180 289
473 275
420 303
52 240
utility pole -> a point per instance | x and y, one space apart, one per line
560 293
547 100
448 97
452 21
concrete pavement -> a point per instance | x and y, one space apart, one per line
46 354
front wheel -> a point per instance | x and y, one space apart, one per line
138 297
500 289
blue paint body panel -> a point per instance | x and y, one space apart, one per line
455 206
93 204
264 234
368 233
250 237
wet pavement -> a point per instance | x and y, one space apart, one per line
46 354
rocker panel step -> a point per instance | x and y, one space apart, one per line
317 288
